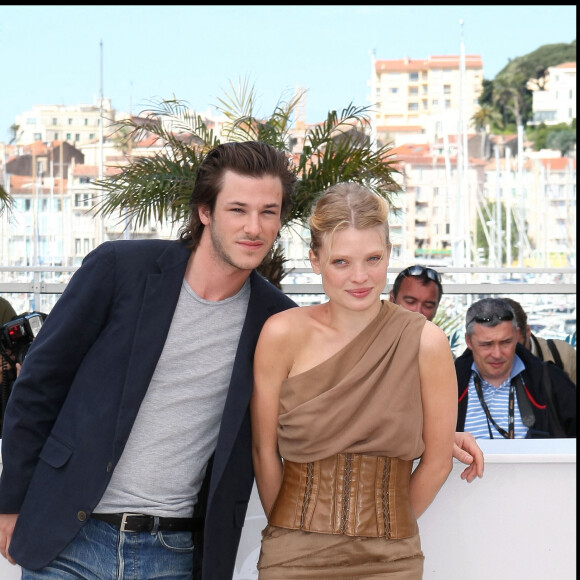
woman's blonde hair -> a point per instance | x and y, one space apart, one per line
345 205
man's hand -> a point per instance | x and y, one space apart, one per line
7 523
466 450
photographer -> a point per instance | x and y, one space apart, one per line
6 364
6 311
16 336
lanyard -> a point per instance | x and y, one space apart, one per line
509 434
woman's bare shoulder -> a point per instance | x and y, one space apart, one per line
290 323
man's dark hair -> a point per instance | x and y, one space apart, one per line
521 316
422 273
249 158
488 312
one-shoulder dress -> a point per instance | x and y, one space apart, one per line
348 432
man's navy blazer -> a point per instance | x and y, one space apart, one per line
78 393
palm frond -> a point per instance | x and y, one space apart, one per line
6 201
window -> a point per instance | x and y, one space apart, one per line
413 91
77 137
413 77
86 122
91 135
446 89
38 136
394 90
31 121
54 121
70 121
425 105
413 106
56 136
447 104
82 200
68 136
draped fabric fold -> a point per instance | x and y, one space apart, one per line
366 398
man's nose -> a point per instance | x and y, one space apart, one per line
253 227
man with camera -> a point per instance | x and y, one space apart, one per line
7 362
16 336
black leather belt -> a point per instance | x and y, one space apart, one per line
128 522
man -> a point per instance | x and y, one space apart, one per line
418 289
118 407
7 364
7 313
504 390
560 352
134 396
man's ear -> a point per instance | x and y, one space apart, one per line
392 297
527 342
204 214
468 342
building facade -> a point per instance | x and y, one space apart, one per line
75 124
419 100
556 102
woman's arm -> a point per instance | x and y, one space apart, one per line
439 399
270 369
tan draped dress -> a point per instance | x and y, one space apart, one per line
365 399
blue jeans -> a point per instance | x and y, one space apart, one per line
101 552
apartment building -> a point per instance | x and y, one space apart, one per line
556 101
435 212
419 100
53 219
75 124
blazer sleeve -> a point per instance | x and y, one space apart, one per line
49 369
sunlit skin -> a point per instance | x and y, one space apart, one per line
352 278
353 265
418 297
237 236
493 350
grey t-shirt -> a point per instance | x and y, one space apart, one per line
163 464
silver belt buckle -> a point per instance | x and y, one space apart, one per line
124 521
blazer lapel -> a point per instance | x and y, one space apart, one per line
158 306
260 307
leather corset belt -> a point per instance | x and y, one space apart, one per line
348 493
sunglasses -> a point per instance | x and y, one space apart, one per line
484 319
419 270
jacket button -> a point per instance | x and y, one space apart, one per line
82 516
109 467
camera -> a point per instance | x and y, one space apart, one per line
17 334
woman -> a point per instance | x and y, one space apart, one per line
349 393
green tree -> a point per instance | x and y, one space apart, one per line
562 141
158 187
485 118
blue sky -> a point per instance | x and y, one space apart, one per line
52 55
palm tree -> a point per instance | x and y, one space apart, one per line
159 187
